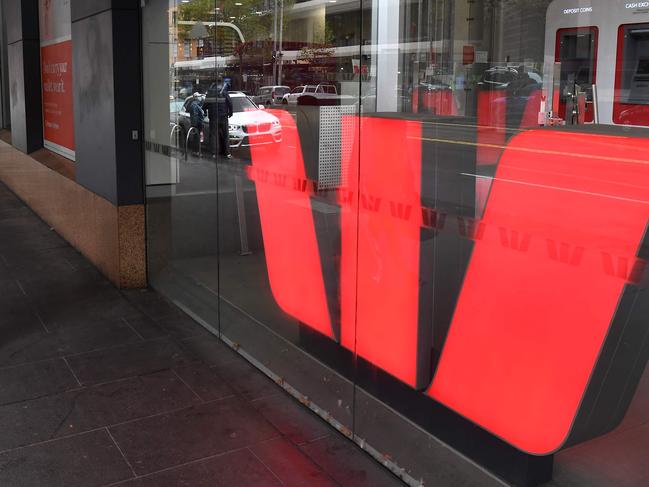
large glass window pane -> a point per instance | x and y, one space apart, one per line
500 235
179 48
295 101
426 219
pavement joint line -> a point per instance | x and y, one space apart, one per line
38 315
52 440
267 396
170 411
180 465
128 323
100 428
315 440
121 452
72 355
187 385
115 347
72 371
20 286
266 466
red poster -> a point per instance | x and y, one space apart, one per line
56 76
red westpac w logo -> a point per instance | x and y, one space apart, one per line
554 256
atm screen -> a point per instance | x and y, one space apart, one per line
642 71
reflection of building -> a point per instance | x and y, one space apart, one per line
523 39
438 43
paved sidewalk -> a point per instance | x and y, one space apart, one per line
100 387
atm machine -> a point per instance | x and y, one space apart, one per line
596 66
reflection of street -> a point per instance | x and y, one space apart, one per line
198 175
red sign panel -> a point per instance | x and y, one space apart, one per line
58 119
544 307
56 76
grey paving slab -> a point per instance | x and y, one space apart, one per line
30 240
190 434
150 302
212 352
146 327
347 464
239 468
20 223
127 361
30 381
9 211
247 380
52 272
182 326
38 344
297 423
90 408
18 314
205 382
72 307
291 465
87 460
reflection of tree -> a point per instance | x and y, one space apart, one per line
318 52
255 19
256 51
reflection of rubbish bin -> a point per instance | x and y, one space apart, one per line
326 133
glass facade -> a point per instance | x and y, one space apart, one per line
424 218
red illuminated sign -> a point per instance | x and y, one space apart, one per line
554 257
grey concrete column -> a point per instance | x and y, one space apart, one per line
107 98
23 46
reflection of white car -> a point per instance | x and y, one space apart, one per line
320 92
291 98
249 119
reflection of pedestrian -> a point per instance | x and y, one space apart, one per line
219 110
196 118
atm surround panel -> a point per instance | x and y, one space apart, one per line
609 17
576 50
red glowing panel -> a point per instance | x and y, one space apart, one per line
492 122
380 247
532 108
288 230
540 295
440 102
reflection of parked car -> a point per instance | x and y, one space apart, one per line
319 91
271 95
247 119
434 85
504 77
291 98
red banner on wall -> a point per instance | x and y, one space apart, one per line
56 76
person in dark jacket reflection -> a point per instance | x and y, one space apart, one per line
219 110
196 119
